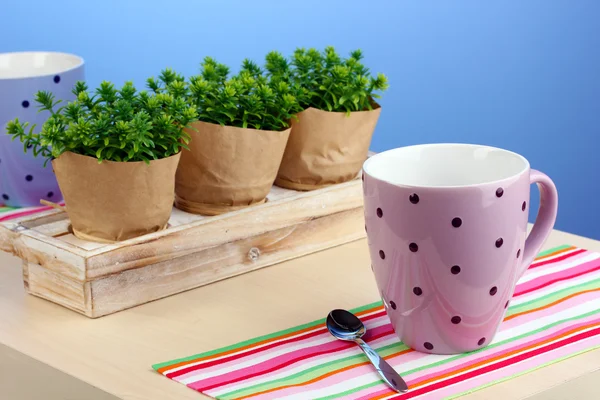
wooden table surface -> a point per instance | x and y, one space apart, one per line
49 352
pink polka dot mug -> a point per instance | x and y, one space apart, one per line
447 232
23 179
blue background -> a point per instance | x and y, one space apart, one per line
523 75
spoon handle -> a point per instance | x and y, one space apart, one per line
389 375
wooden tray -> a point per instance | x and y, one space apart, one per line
99 279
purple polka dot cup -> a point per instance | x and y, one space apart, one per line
447 232
24 180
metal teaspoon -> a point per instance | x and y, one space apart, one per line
344 325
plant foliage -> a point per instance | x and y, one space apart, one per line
111 124
249 99
326 81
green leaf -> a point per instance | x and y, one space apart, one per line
125 124
333 97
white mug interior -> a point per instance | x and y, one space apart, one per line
21 65
445 165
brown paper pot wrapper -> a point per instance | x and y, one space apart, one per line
115 201
326 148
227 168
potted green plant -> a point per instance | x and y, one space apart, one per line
115 154
330 139
238 141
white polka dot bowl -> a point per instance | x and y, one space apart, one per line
24 180
447 232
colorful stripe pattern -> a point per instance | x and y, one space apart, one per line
7 213
554 314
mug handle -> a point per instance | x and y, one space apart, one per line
544 222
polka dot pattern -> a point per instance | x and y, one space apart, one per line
28 178
24 179
456 222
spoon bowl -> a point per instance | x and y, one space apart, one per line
344 325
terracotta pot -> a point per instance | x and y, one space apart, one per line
326 148
115 201
227 168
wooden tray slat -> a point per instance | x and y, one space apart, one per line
97 279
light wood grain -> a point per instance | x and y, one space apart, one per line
226 228
18 370
576 383
132 287
115 353
58 288
99 279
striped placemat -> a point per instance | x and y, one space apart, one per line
7 213
554 314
